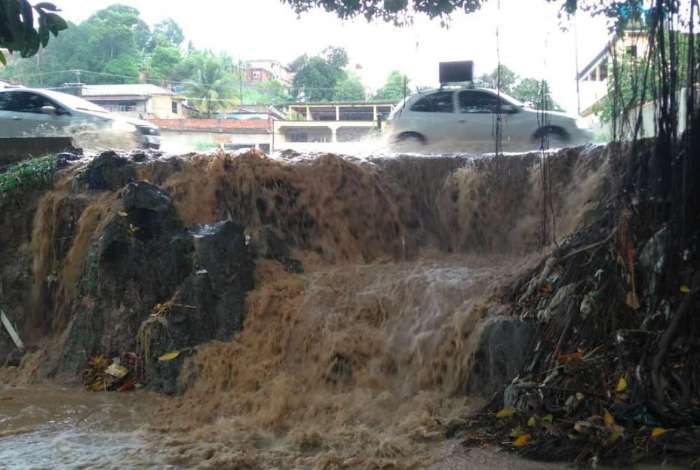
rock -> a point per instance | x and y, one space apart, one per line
652 261
145 196
154 341
64 159
221 250
557 304
501 353
140 257
208 305
108 172
269 245
138 156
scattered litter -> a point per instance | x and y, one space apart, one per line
169 356
11 331
122 374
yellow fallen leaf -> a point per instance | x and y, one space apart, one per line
548 419
506 412
517 432
658 432
617 432
532 422
169 356
522 440
621 385
608 418
685 289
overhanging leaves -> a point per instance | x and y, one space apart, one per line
25 28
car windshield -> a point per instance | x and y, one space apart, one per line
74 102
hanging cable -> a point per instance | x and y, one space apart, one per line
498 123
548 228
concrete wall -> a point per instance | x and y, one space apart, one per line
14 150
179 141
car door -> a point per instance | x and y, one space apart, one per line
8 118
434 116
477 116
24 114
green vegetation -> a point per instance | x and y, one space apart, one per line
528 90
395 89
115 45
36 173
402 12
323 77
350 89
212 88
633 80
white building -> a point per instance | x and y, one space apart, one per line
144 101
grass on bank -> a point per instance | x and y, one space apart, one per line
35 173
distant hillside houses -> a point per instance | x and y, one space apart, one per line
261 71
143 101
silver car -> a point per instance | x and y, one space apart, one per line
27 112
466 118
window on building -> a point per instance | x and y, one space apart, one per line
174 107
603 73
632 51
298 137
126 107
440 102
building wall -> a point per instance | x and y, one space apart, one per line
128 108
161 107
593 87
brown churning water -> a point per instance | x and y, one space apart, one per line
360 361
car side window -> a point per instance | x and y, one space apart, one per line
25 102
472 101
440 102
5 101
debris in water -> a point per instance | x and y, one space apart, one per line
119 374
11 331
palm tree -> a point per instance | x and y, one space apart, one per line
212 89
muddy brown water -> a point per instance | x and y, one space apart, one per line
46 427
356 364
49 427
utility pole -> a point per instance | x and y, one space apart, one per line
578 88
240 81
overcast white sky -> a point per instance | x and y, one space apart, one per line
531 40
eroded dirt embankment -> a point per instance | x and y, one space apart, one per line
347 296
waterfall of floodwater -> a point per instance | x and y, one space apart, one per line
360 361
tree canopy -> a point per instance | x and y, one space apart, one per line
536 93
401 12
212 88
350 89
324 78
395 88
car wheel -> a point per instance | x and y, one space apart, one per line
556 137
410 141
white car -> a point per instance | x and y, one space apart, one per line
26 112
465 118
